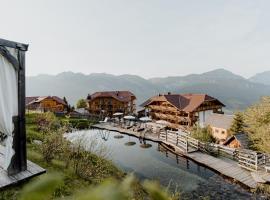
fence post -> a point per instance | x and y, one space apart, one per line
166 135
176 139
187 144
256 161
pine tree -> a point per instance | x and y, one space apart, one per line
65 100
238 123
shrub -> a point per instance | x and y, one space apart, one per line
47 122
79 123
33 135
83 125
54 145
203 134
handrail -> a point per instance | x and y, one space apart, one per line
248 159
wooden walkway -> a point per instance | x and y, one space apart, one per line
224 166
5 180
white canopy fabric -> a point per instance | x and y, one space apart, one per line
118 114
129 117
145 119
8 103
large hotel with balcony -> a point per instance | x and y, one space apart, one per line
182 110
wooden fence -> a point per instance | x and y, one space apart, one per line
248 159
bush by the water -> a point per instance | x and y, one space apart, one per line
79 123
203 134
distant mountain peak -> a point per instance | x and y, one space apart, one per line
222 73
263 78
219 70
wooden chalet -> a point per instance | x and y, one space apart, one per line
182 110
109 102
238 140
46 103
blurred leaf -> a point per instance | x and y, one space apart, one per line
155 191
109 190
42 188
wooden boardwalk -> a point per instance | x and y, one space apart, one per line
222 165
5 180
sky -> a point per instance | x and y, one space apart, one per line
150 38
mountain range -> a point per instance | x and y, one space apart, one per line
235 91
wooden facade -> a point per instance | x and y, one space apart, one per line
181 110
46 103
238 140
109 102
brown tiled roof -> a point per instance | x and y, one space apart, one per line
185 102
124 96
59 100
29 99
37 99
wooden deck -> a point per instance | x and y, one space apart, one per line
224 166
5 180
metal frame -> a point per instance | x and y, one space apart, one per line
18 161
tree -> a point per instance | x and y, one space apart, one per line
81 103
257 120
238 123
65 100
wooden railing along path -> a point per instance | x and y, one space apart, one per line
248 159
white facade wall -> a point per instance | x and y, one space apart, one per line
203 116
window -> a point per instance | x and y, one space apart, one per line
223 132
216 130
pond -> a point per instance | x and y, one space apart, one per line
154 162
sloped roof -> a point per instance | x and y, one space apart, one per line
124 96
29 99
242 139
38 99
184 102
219 120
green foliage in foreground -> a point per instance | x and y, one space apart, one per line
203 134
257 120
110 189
